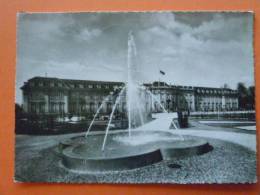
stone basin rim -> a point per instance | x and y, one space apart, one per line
68 152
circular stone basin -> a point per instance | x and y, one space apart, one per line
123 152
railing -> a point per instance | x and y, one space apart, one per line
239 115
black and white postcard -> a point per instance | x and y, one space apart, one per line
135 97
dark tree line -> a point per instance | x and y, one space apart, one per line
246 96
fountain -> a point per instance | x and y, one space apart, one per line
137 146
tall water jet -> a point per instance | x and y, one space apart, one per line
135 95
135 109
96 114
111 117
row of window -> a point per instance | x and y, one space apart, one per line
40 107
215 91
216 104
92 107
71 85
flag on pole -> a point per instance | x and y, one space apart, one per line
162 72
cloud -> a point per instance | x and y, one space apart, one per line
207 49
88 35
221 28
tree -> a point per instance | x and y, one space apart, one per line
246 96
18 111
251 97
18 117
242 95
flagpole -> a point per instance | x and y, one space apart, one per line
159 76
159 81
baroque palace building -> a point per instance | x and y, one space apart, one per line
43 95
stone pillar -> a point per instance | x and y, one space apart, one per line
192 102
223 101
37 105
25 102
104 107
236 101
66 104
46 100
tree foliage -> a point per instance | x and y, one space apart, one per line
246 96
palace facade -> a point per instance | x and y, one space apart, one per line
43 95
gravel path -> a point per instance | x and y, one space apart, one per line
36 161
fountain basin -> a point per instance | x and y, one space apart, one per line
80 163
191 147
123 153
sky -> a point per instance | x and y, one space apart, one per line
198 49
